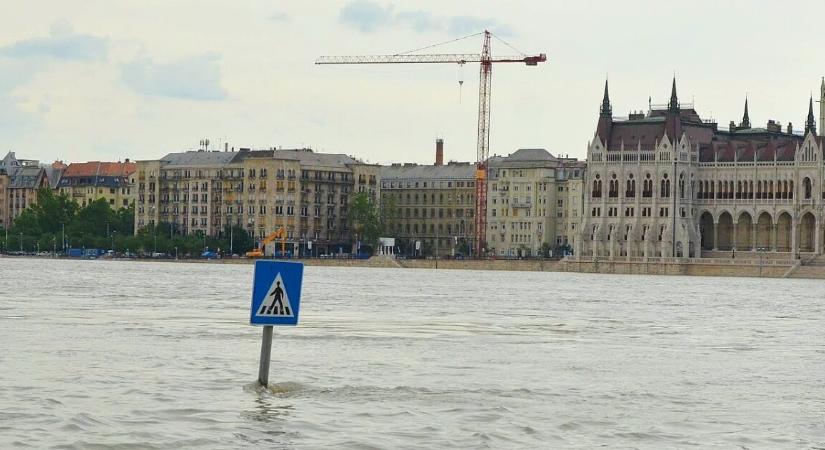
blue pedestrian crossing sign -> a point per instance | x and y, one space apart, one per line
276 293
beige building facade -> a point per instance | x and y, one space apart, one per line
529 203
306 193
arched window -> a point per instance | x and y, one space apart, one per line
682 185
613 190
597 187
806 183
664 191
647 187
630 192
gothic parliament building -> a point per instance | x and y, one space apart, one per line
668 183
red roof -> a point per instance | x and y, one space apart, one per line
101 169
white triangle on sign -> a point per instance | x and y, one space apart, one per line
276 303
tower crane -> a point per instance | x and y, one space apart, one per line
486 61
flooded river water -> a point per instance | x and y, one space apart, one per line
97 354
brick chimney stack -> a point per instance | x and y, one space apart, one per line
439 152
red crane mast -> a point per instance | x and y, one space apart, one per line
484 90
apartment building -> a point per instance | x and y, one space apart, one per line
306 193
530 202
89 181
23 187
5 180
432 205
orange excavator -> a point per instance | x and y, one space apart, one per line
280 235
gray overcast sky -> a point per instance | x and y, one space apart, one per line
98 79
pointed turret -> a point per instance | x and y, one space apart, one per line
746 121
674 100
673 119
822 105
606 109
810 124
605 124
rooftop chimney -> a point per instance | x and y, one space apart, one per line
439 152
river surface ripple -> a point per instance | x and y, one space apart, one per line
97 354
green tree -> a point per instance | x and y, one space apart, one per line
91 224
125 220
389 210
365 219
545 249
27 224
236 238
53 211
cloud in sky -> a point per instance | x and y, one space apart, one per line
191 78
279 17
365 15
62 44
368 16
15 119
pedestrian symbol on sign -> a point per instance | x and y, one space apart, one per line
276 303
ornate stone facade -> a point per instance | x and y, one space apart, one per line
668 183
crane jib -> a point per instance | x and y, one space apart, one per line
429 59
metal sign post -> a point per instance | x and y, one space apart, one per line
276 299
266 353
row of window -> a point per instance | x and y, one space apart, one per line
631 212
424 184
402 199
442 228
